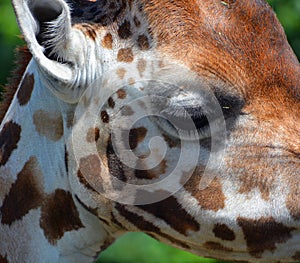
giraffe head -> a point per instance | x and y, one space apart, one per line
103 56
167 92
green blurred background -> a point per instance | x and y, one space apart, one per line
137 247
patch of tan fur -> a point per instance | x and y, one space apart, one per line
211 198
121 73
107 41
125 55
48 124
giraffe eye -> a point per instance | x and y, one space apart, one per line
188 123
186 117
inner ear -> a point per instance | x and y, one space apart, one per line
46 27
45 13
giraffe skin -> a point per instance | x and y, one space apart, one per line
79 132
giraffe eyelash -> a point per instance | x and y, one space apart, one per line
184 123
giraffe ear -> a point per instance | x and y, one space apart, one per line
46 26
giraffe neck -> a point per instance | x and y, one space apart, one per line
35 196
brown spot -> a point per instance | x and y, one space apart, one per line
121 94
143 42
212 197
142 104
88 30
25 194
136 136
153 173
111 102
70 119
144 225
131 81
93 135
124 31
107 41
297 255
125 55
263 234
25 90
90 172
59 215
9 138
170 141
104 117
136 22
223 232
173 214
121 73
49 124
216 246
141 66
127 111
3 259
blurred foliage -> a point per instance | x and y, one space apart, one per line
139 247
288 12
9 38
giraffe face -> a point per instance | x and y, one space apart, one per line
199 81
136 93
247 94
194 103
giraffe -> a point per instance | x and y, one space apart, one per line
100 120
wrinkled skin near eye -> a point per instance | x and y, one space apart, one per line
192 117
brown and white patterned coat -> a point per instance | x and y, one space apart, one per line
78 131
